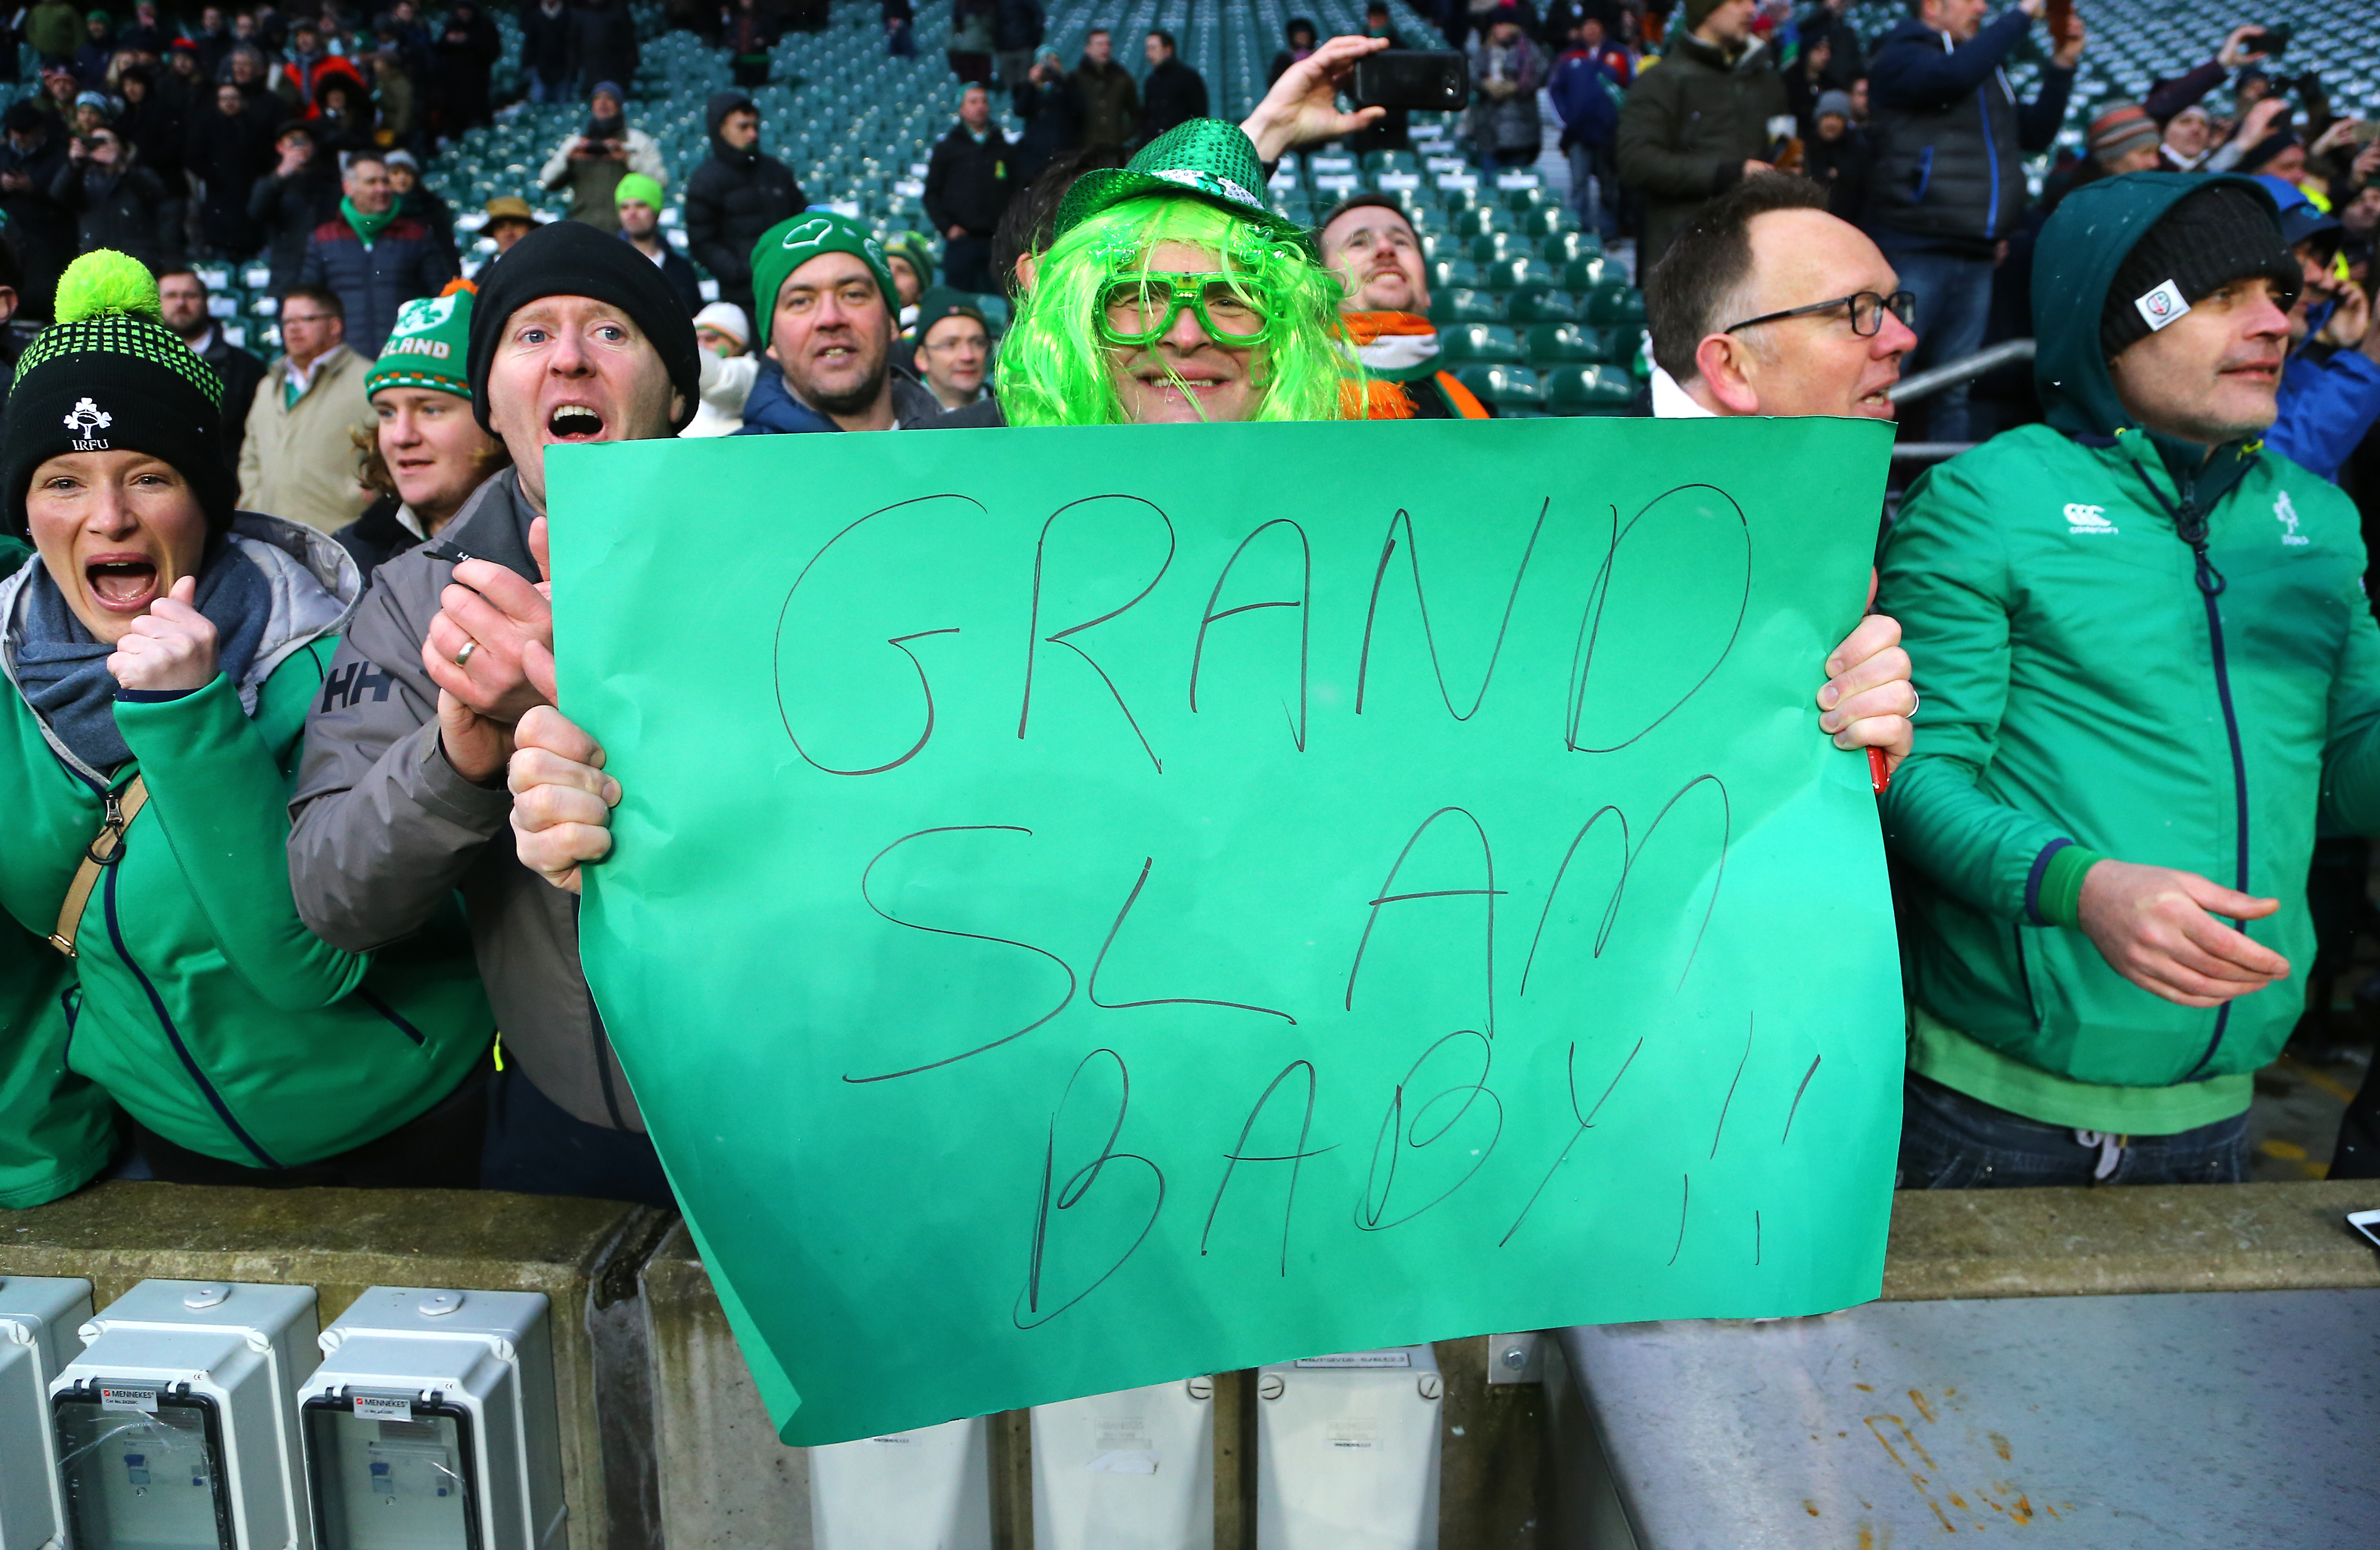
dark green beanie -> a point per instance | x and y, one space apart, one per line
792 243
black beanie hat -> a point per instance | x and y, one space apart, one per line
2226 231
109 376
570 258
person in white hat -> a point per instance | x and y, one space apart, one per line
729 369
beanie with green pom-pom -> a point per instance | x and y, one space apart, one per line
110 377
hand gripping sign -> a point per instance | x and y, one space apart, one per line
1095 905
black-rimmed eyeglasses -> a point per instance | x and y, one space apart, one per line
1867 312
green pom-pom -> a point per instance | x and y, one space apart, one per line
107 281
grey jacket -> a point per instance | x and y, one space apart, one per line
384 826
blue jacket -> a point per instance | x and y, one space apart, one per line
1951 136
407 263
1587 96
774 411
2329 400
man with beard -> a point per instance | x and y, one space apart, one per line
828 327
1371 246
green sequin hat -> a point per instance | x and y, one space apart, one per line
430 347
1205 158
110 377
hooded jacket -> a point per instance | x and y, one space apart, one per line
731 199
386 829
2125 649
1687 128
201 1002
57 1128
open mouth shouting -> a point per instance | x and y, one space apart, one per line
124 583
573 422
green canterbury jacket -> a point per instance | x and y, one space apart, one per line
56 1129
2124 652
204 1005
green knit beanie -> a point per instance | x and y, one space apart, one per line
635 185
430 347
791 243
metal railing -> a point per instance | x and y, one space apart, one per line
1926 384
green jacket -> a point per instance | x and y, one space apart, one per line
2121 652
206 1008
56 1129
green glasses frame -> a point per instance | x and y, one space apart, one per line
1187 290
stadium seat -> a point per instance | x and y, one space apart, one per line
1518 273
1463 306
1615 302
1563 246
1452 273
1579 389
1544 306
1488 247
1548 221
1551 344
1504 387
1480 341
1584 275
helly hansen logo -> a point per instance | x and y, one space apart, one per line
2285 512
343 688
2087 519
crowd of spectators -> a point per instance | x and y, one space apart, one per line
1814 213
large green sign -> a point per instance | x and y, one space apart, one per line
1096 906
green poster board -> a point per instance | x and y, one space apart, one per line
1096 906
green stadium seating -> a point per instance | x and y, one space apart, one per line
1480 341
1544 306
1504 387
1582 389
1463 306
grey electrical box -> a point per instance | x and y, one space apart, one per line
38 1316
177 1425
431 1424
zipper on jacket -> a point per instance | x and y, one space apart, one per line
385 1009
1991 164
2189 524
165 1021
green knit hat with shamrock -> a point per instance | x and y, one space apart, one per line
109 376
795 241
431 345
1205 158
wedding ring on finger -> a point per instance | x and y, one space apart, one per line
1910 714
463 657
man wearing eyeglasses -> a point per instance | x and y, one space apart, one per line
1766 304
828 309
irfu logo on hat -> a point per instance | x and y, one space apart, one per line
85 420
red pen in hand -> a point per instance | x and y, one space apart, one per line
1877 775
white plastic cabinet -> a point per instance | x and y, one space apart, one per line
38 1317
177 1424
930 1489
1129 1470
431 1424
1347 1451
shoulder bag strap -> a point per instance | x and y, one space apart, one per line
123 806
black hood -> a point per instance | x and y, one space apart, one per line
715 112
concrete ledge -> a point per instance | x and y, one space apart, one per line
1949 1243
340 1241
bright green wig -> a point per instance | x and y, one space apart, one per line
1054 367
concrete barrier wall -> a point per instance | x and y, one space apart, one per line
664 1443
581 1255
